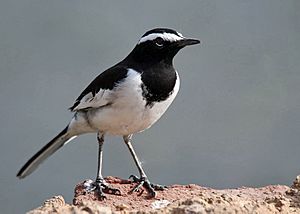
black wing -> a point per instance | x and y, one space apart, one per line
96 94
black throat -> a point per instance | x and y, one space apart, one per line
158 80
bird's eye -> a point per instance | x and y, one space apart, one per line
159 42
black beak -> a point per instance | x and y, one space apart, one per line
185 42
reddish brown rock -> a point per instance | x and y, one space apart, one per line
181 199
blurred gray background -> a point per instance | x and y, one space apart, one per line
235 121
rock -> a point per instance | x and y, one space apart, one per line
180 199
57 205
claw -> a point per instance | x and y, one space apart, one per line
102 197
100 187
143 181
137 187
110 190
134 178
159 187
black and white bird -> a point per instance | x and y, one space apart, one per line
125 99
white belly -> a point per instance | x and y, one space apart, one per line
128 113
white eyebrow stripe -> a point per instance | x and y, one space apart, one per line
166 36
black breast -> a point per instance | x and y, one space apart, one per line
158 83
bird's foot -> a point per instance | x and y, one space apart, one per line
144 182
100 187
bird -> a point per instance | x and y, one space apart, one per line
125 99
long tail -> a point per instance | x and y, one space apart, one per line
61 139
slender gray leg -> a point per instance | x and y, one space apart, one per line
100 186
143 180
100 138
127 140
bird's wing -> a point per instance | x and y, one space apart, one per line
98 92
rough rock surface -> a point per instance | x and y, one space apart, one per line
181 199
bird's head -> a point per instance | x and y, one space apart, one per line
160 44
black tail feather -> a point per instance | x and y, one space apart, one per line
44 153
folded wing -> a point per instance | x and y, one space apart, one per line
99 91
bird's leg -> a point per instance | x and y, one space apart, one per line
142 180
100 186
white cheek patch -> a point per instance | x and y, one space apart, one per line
165 36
